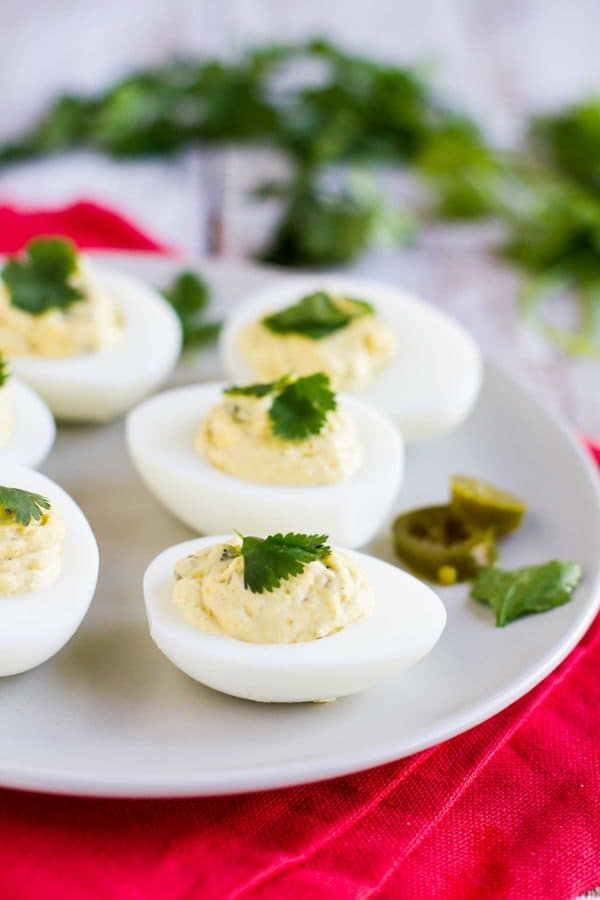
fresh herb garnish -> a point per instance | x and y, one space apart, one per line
317 315
261 389
269 561
189 295
302 406
299 407
41 280
532 589
23 505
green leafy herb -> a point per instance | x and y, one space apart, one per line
557 231
462 171
4 372
330 217
41 280
261 389
189 295
23 505
555 239
570 141
359 111
317 315
269 561
61 127
301 408
529 590
331 114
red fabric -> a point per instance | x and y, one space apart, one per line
594 448
510 810
91 226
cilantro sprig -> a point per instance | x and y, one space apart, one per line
271 560
299 408
317 315
532 589
23 505
189 295
41 280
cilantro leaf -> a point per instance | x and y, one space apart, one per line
189 296
4 372
570 141
317 315
201 334
532 589
302 406
324 222
260 389
41 280
23 505
269 561
188 293
465 175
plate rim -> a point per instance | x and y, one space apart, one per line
273 776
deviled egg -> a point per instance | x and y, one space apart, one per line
48 568
289 454
27 429
287 619
410 360
92 342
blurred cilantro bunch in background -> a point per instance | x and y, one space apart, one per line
330 113
334 116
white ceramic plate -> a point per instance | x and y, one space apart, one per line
33 432
109 715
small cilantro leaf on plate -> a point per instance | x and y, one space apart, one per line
189 295
23 505
201 334
301 408
317 315
41 280
532 589
269 561
260 389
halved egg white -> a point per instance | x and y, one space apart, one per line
97 387
33 430
160 438
37 624
407 621
429 385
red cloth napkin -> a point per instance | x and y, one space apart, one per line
91 226
594 448
511 809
